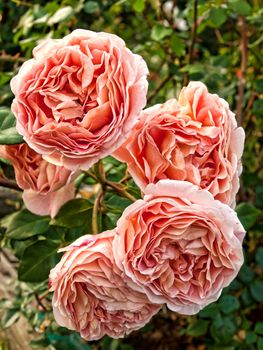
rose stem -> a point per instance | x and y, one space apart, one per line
95 211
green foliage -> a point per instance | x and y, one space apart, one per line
165 40
160 32
74 213
23 224
8 133
38 259
247 214
198 328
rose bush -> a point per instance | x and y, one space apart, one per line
90 294
77 100
179 245
46 186
195 139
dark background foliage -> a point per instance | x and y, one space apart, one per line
218 42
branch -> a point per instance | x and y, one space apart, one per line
99 171
100 177
120 189
193 36
193 40
155 92
22 3
251 100
95 211
9 184
39 301
242 81
4 57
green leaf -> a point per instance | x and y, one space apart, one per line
20 246
8 133
246 297
246 274
37 261
257 108
24 224
39 343
256 289
259 85
68 342
228 304
241 7
259 328
160 32
177 45
198 328
139 5
10 317
126 347
260 343
251 337
259 195
217 17
91 7
234 285
74 233
117 204
74 213
223 328
209 311
259 256
247 214
60 15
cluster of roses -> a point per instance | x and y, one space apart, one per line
80 99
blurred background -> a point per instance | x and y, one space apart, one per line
217 42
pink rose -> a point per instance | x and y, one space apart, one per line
195 139
77 100
179 245
90 295
46 186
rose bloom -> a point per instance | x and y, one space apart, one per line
179 245
90 295
46 186
195 139
77 100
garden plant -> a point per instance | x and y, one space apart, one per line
131 175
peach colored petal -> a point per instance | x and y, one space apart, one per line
194 139
78 98
179 245
90 294
46 186
50 203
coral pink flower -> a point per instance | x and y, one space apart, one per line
179 245
90 295
46 186
77 100
195 139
